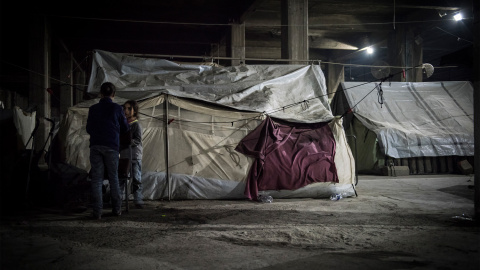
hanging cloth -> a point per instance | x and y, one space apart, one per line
288 156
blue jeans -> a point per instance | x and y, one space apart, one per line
137 187
104 158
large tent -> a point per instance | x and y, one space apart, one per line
196 119
400 120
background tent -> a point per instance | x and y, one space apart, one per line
194 116
408 120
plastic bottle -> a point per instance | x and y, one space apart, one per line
336 197
265 198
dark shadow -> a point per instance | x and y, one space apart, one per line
467 192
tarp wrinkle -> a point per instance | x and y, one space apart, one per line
258 88
418 119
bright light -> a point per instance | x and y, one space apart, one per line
458 17
369 50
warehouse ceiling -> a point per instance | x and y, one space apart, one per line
339 30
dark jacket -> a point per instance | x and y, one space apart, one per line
105 122
136 142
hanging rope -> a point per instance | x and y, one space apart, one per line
304 105
233 155
380 95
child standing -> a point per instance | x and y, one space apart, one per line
131 112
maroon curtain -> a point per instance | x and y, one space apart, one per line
288 156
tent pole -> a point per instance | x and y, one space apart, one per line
356 173
167 172
476 106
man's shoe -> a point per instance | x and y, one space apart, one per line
96 217
119 213
139 206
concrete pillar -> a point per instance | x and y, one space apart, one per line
39 64
237 49
414 57
336 75
295 30
66 76
476 102
396 45
405 50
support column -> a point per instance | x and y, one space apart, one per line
66 76
39 64
405 50
396 49
295 30
237 49
476 104
336 75
414 57
167 168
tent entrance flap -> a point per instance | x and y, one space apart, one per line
289 156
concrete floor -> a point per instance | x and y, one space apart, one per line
412 222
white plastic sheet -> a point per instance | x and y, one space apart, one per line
255 88
416 119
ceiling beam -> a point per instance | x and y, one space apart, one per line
328 43
354 54
351 23
381 4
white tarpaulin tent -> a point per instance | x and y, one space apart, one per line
206 111
422 119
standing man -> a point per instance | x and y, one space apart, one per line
106 121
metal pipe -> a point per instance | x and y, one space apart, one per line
356 173
167 172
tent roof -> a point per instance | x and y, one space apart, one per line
415 119
294 93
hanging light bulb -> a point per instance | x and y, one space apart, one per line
369 50
458 17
